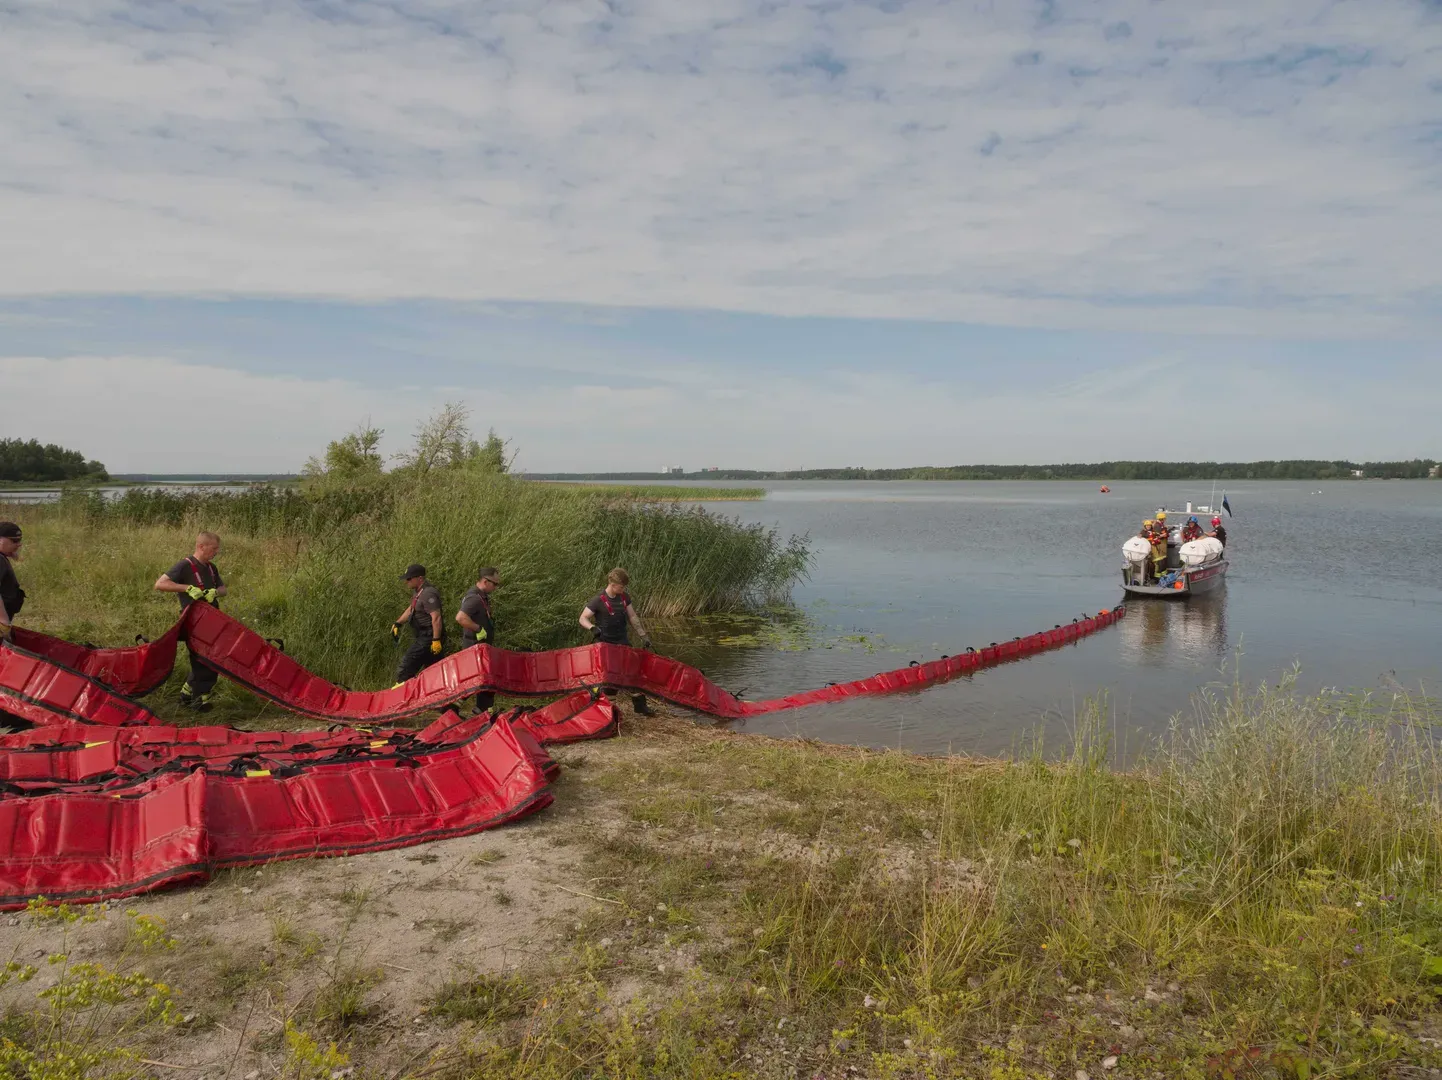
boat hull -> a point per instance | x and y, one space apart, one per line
1198 582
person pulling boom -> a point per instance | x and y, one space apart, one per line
606 617
424 615
196 578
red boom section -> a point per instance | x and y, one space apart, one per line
120 836
134 670
33 682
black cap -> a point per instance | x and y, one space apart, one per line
415 569
9 530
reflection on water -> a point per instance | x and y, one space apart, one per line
1156 633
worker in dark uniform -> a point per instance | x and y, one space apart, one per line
1218 531
196 578
476 623
424 615
12 596
607 616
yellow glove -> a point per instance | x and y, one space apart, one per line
194 592
209 596
5 631
435 648
481 634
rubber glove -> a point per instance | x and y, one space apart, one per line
435 648
5 631
481 634
646 644
210 595
395 631
596 633
194 592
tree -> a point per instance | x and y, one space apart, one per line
444 442
29 462
355 456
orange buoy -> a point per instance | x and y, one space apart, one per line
1105 489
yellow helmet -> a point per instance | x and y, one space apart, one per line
1161 515
1148 523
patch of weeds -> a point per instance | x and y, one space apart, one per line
503 898
802 821
284 935
305 1059
485 999
354 897
235 975
341 1003
83 1023
486 858
425 858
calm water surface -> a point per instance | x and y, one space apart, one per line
1344 579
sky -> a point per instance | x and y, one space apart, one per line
740 234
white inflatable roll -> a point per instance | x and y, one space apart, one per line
1197 552
1136 550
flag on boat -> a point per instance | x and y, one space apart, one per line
1226 506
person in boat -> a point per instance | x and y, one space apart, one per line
1158 538
1148 533
476 623
196 578
1192 530
428 642
1219 531
606 617
12 596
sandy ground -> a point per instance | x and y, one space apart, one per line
257 946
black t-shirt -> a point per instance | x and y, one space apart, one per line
610 617
12 596
191 571
477 606
428 599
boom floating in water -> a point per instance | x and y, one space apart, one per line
95 685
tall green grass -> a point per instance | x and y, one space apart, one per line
321 568
1276 864
552 547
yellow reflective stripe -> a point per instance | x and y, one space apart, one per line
257 772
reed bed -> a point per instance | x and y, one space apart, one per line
321 568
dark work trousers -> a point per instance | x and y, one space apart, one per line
638 701
415 660
484 700
202 677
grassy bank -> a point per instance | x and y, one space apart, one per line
321 568
1260 900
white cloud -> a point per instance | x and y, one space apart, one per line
155 414
1261 167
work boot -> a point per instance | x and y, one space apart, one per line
639 706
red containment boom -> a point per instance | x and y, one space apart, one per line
38 685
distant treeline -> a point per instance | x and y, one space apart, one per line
23 462
1418 469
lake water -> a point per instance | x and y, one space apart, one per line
52 494
1343 578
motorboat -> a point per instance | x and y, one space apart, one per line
1193 568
